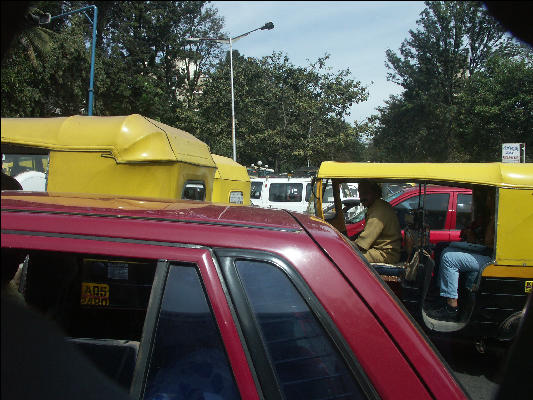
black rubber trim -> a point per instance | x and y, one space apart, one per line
149 329
159 219
229 256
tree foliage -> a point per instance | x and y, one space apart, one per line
286 116
455 70
139 49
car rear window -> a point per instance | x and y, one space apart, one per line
285 192
306 363
194 190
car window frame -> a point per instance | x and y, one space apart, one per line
140 374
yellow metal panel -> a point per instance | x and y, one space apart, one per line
89 172
496 174
222 189
130 139
230 176
506 271
514 240
229 169
106 201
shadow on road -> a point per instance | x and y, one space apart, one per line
480 374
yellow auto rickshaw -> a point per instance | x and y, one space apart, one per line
123 155
491 300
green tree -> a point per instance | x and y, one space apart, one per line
141 62
453 42
146 49
496 107
287 116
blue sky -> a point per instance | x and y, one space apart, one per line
355 33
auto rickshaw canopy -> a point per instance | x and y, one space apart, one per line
129 139
493 174
229 169
231 183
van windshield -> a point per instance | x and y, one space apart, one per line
30 170
256 189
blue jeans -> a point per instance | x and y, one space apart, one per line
452 262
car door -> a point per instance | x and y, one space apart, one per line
191 347
139 311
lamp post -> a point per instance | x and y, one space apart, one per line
268 26
91 76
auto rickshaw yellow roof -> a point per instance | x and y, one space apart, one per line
495 174
130 139
229 169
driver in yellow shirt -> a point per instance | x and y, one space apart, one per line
381 240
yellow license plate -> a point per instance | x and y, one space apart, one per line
529 286
94 294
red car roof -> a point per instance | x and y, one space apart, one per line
147 208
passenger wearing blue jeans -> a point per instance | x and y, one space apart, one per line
455 259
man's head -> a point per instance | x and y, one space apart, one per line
369 191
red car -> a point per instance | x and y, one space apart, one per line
197 300
448 210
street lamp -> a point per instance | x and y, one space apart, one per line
268 26
93 21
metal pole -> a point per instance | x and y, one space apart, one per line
232 102
91 80
268 25
93 47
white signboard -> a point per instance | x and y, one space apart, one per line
511 152
236 198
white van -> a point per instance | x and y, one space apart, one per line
292 193
285 193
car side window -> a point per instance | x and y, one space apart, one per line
285 192
436 210
99 301
436 207
305 361
188 359
193 190
464 210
